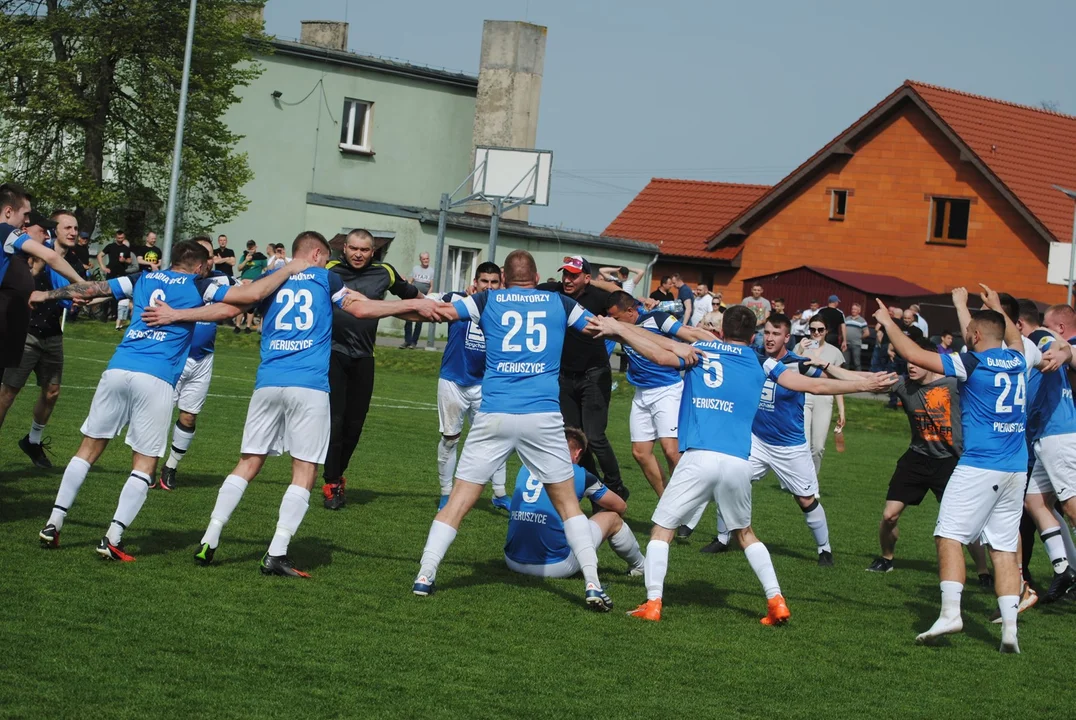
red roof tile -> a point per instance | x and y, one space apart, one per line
680 215
1027 148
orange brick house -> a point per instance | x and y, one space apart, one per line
933 186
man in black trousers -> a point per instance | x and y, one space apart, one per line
585 376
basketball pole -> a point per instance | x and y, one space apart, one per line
438 265
494 227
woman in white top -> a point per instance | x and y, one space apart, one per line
818 409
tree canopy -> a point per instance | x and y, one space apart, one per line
89 92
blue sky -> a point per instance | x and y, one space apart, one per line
741 92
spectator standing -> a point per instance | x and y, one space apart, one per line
798 329
945 347
114 259
224 257
810 311
818 409
148 256
82 254
704 304
586 380
663 292
686 297
277 257
762 309
422 279
920 321
250 269
855 328
719 306
627 278
833 317
778 306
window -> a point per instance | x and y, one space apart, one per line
838 203
461 265
355 129
949 220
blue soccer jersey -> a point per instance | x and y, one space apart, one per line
464 359
160 351
204 341
720 399
1051 411
297 328
644 373
524 330
993 407
535 531
779 421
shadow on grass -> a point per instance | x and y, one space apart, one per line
159 542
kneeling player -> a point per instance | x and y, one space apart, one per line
721 397
536 543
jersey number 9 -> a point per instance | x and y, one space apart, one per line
536 333
534 489
303 304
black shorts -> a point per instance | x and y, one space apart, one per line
915 474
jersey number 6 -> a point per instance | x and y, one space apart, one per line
536 333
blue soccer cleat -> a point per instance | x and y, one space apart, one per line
503 502
423 586
442 502
597 599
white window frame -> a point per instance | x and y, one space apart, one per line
459 278
364 145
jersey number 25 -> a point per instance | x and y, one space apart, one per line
536 333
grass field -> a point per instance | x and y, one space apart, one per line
163 637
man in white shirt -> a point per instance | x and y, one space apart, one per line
920 321
422 278
704 303
626 277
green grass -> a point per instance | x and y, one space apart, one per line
164 638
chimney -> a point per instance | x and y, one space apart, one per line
509 88
331 34
253 13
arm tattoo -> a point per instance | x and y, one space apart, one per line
83 291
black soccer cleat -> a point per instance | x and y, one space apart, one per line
204 556
715 547
280 565
880 565
49 536
684 532
168 478
825 559
335 497
36 452
1061 584
110 551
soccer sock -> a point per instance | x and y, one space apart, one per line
577 532
950 592
437 544
228 497
35 432
74 476
132 497
1066 534
1009 605
499 478
759 558
1055 549
293 507
181 441
626 546
446 463
656 565
723 534
815 516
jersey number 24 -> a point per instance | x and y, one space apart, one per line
1003 381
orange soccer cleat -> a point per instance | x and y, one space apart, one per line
649 610
777 613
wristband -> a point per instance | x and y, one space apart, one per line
682 363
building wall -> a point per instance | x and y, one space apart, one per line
887 221
420 134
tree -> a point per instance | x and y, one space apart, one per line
89 92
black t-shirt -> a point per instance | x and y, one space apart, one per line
149 254
45 317
661 296
117 256
72 258
833 319
82 254
582 353
224 268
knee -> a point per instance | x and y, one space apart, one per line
51 394
641 453
890 518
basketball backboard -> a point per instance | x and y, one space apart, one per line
512 174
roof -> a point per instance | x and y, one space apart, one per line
681 215
869 283
480 223
1022 151
389 66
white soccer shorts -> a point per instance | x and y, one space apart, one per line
289 420
562 569
655 412
1055 467
456 403
140 402
193 385
702 476
538 439
982 505
792 464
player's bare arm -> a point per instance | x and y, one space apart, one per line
645 342
52 258
904 345
76 291
691 334
1013 339
418 309
874 383
266 285
960 304
160 313
613 503
603 284
839 373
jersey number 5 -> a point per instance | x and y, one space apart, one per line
303 303
1004 382
536 333
712 372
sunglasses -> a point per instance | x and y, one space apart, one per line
817 330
